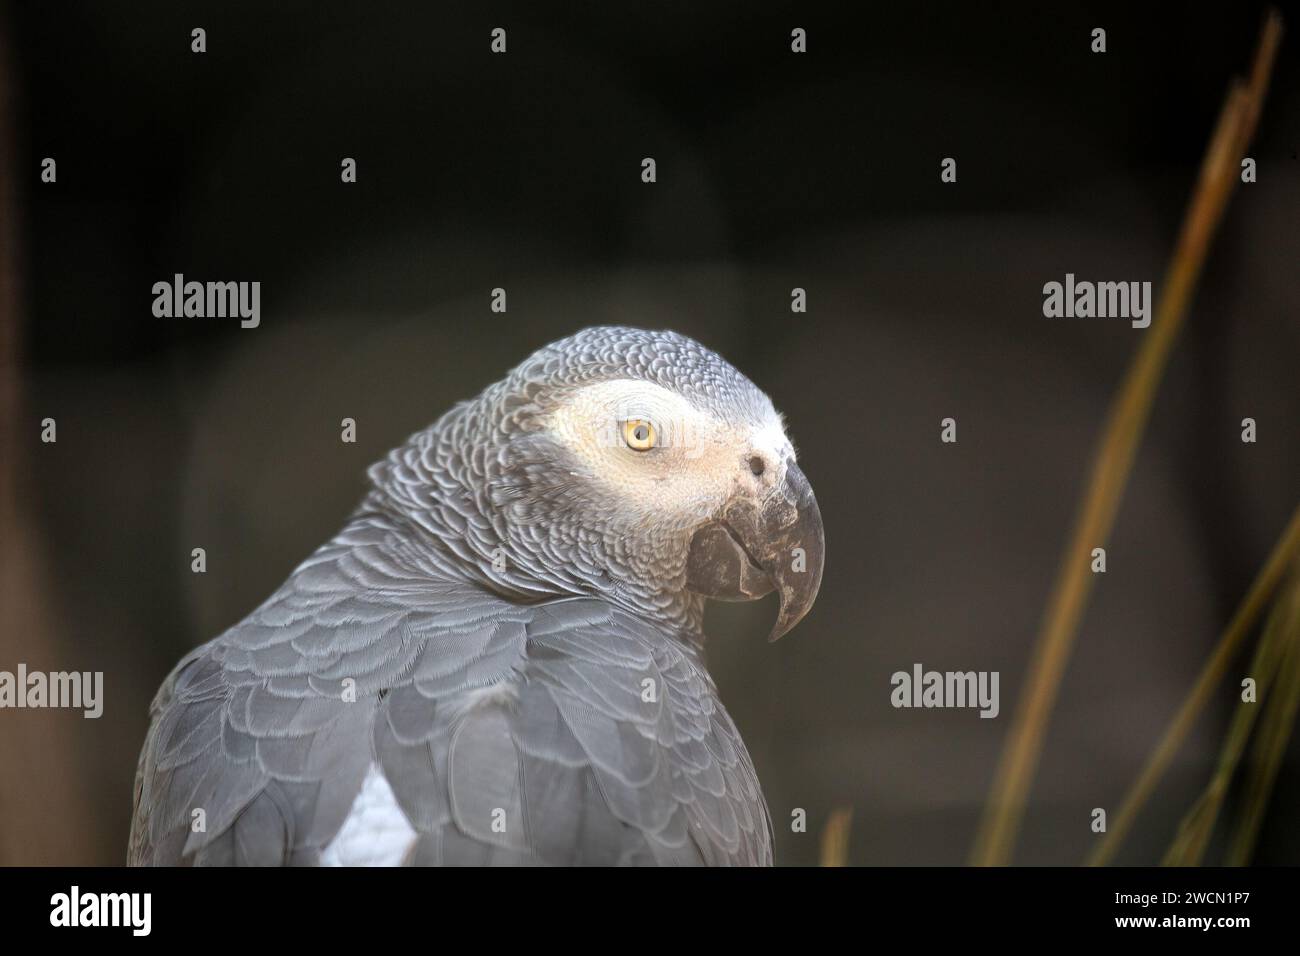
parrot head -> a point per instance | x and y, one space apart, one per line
634 464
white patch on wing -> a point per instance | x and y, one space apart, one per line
376 831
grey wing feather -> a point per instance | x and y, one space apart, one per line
571 758
255 752
509 734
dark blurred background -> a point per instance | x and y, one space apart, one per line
775 170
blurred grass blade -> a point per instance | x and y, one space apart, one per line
1270 743
1285 552
1197 826
835 837
1114 457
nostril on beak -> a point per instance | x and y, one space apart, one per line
756 465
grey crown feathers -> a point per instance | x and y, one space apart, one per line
499 659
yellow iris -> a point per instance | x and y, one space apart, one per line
639 434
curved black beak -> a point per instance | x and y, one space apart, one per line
756 547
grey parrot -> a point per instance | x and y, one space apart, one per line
499 658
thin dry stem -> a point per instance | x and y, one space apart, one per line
1188 848
835 838
1275 731
1285 552
1114 458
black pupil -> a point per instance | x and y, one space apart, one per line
756 465
641 433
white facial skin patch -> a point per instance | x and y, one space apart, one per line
695 465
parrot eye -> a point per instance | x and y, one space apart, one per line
639 434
